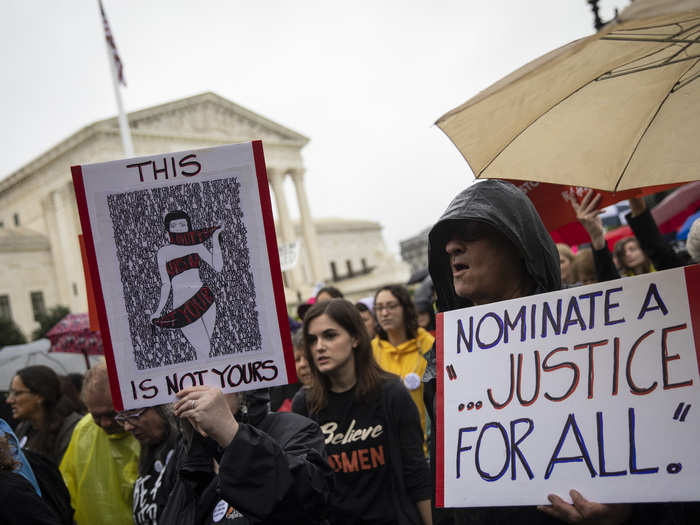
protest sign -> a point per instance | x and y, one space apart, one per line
594 388
183 260
289 255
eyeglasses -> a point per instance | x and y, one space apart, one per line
387 306
15 393
130 416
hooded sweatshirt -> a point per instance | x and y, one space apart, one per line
505 208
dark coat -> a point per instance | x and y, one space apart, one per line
21 504
274 471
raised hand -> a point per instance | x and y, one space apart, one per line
588 215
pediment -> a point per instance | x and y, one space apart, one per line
209 115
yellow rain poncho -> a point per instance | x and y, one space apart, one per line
100 470
405 359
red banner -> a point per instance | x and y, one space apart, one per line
553 202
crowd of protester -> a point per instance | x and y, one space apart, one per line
351 442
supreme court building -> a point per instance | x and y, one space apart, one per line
40 261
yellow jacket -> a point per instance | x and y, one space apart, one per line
404 359
100 470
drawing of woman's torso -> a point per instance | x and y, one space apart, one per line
182 265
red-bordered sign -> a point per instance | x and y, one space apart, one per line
182 254
593 388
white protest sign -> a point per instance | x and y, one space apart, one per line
183 256
289 255
594 388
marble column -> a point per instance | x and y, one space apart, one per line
308 228
59 263
69 249
276 178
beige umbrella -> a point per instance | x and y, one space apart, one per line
617 110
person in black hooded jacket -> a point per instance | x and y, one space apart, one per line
259 467
491 245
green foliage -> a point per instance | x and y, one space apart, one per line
10 334
48 320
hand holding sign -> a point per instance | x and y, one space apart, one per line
583 511
209 412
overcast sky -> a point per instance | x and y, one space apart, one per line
364 80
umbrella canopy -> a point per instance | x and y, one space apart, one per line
16 357
72 334
617 110
671 213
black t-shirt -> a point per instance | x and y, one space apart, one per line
145 506
355 441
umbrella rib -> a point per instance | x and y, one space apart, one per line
661 40
642 28
460 151
628 35
505 146
680 85
601 77
641 137
608 76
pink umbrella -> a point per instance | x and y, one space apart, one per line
72 334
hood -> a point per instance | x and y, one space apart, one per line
420 343
507 209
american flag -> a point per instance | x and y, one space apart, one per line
112 46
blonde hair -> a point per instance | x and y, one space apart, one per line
584 267
565 251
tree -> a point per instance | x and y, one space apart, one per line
10 334
47 320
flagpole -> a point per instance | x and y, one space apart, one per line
127 145
117 76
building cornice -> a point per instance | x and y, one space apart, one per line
20 239
110 126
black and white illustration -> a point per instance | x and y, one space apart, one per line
184 266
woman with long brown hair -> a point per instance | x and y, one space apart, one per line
371 426
47 416
632 260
